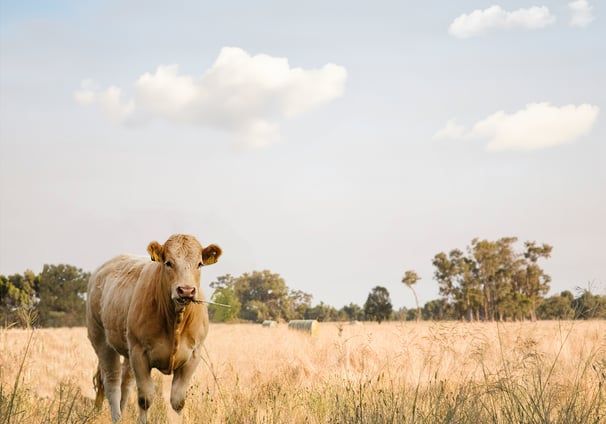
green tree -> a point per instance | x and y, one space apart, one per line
439 310
257 296
516 305
455 274
534 281
493 281
27 285
322 312
589 305
353 312
378 305
410 279
18 299
263 295
62 291
9 301
494 264
224 294
557 307
297 304
403 314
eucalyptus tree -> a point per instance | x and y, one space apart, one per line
455 274
493 281
410 279
535 283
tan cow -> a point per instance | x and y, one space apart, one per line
152 314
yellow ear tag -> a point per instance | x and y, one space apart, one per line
210 260
155 257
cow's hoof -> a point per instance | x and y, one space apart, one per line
178 405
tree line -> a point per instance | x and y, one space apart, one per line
491 281
488 281
54 298
262 295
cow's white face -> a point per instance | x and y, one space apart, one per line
182 257
182 273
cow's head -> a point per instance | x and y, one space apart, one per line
182 257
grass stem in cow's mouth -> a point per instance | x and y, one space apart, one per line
188 300
213 303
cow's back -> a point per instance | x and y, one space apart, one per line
110 290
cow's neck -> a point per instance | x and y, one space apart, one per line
182 313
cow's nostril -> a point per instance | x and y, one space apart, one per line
186 291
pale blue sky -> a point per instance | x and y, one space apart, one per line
348 192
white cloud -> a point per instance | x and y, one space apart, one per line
495 18
110 101
240 93
86 95
451 130
581 13
537 126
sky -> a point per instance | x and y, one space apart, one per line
337 143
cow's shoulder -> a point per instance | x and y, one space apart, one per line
149 305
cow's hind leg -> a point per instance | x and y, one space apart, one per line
128 381
109 364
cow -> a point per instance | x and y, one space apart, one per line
151 313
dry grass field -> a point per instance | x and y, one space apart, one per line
544 372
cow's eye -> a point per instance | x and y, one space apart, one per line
168 264
200 265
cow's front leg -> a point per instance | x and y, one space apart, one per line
145 384
181 378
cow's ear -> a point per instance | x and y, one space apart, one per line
156 251
211 254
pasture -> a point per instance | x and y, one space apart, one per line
530 372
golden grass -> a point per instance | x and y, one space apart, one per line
393 372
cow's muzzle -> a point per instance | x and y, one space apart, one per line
186 294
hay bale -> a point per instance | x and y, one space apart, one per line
268 323
310 326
